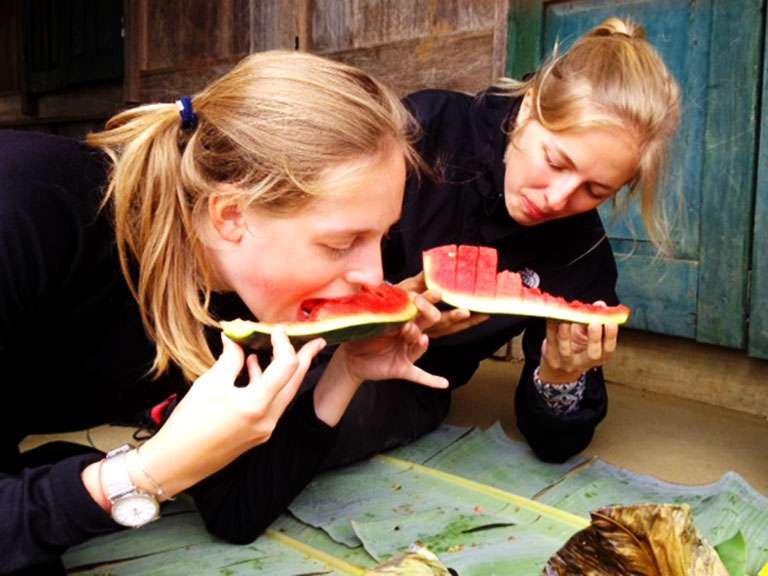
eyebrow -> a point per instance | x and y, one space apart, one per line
570 163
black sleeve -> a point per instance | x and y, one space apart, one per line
555 438
44 511
240 501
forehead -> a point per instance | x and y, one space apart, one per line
608 154
368 190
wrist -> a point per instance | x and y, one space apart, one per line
555 376
336 388
91 478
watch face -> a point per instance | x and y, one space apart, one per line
135 510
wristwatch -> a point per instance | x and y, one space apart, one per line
131 506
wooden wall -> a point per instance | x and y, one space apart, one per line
410 44
175 47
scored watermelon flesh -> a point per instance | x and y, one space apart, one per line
382 299
449 269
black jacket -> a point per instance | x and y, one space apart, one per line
464 138
74 354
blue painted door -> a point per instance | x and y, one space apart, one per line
713 48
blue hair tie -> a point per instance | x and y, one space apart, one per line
188 116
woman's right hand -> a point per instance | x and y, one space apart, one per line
451 321
216 421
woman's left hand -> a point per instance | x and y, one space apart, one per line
570 349
393 356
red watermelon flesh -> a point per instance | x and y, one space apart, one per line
509 295
485 276
466 268
371 312
382 299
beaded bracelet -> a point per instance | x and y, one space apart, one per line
563 398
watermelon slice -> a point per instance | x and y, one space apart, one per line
369 313
450 268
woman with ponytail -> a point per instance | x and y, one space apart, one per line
522 167
275 184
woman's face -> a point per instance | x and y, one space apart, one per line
328 248
551 175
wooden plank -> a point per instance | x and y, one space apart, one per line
462 61
501 15
134 12
758 315
168 85
273 25
340 26
728 182
661 293
684 368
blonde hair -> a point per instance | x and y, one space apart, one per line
271 128
613 77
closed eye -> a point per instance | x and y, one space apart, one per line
552 163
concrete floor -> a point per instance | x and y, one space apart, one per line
674 439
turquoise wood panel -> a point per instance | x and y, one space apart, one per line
758 318
711 46
729 170
663 293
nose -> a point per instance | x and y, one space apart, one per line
560 191
366 268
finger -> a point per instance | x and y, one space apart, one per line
595 345
419 376
428 313
610 338
549 347
564 339
432 296
230 362
281 369
254 370
579 338
459 315
304 356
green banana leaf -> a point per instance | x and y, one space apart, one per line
733 553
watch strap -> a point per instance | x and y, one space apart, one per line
115 479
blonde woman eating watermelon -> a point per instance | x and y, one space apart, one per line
522 168
273 185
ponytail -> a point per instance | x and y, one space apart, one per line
269 129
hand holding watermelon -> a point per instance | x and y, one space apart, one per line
392 356
570 348
451 321
234 419
386 357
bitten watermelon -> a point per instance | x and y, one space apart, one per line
369 313
466 276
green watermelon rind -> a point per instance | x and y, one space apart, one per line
531 306
337 330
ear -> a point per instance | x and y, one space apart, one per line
226 216
525 109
